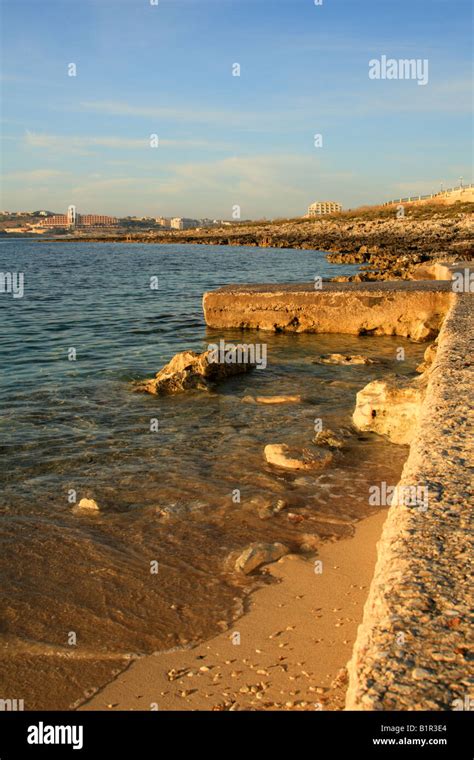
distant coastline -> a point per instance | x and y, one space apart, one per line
386 243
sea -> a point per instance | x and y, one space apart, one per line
181 481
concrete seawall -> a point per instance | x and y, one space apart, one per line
412 649
409 309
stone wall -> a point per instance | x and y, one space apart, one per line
412 647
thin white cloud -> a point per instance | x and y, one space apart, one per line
35 175
196 114
86 144
364 98
62 142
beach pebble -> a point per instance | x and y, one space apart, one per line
345 359
86 505
278 399
258 554
341 678
290 458
419 674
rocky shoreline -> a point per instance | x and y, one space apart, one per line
410 652
386 242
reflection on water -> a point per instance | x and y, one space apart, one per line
165 496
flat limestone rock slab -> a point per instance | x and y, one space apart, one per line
412 309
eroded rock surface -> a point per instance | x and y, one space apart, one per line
189 370
390 407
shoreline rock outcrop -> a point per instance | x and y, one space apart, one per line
390 407
189 370
388 245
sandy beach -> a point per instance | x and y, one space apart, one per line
296 637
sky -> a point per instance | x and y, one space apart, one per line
155 122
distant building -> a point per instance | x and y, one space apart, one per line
71 216
58 220
163 221
96 220
73 220
179 223
323 207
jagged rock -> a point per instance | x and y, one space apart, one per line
191 371
86 505
258 554
281 455
390 407
345 359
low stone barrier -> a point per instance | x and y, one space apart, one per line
412 650
406 308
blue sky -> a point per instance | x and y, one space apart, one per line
166 69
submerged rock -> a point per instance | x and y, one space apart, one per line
390 407
290 458
329 438
189 370
345 359
258 554
273 399
267 508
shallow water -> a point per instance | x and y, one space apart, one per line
165 496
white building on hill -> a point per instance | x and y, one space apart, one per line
323 207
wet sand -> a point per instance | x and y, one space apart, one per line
296 637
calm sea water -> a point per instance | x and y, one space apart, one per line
165 496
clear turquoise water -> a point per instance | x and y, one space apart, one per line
78 425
